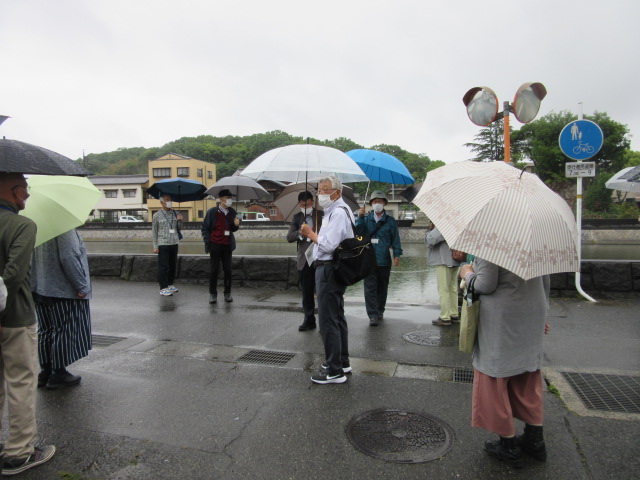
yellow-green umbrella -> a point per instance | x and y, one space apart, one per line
59 203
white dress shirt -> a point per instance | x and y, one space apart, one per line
336 227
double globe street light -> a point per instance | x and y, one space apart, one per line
482 108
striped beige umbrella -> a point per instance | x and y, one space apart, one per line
503 215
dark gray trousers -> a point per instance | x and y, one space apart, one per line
333 324
376 287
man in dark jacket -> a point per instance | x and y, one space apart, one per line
18 337
306 272
383 230
217 233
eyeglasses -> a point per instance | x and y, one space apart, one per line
324 191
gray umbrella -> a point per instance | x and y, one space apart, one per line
244 188
20 157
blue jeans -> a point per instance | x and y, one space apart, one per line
333 324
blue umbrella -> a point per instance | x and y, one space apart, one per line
180 189
381 167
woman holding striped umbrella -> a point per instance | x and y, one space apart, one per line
61 290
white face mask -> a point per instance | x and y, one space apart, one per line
306 211
168 204
325 201
228 202
378 207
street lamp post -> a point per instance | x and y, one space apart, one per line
482 108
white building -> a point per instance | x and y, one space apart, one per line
123 195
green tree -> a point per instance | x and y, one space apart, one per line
597 197
538 141
489 144
631 158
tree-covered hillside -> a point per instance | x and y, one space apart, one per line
231 153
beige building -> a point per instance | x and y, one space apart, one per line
123 195
173 165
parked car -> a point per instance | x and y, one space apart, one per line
129 218
253 217
410 216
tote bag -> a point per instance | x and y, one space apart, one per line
469 319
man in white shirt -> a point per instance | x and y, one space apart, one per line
337 226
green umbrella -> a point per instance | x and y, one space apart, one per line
58 204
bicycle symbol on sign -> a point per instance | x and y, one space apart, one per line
583 147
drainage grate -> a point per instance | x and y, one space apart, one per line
399 436
105 340
266 357
611 393
463 375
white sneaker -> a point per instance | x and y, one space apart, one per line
165 292
172 289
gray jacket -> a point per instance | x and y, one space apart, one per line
60 268
439 252
511 324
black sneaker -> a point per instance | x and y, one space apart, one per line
228 297
64 380
345 368
43 378
324 378
13 466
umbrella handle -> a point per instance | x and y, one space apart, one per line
364 202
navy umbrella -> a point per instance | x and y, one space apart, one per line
180 189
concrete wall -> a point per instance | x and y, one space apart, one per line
280 272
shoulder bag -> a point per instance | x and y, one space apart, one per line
469 319
354 259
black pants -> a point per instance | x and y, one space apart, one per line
307 277
167 261
376 287
220 254
333 324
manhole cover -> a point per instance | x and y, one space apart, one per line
432 338
611 393
399 436
266 357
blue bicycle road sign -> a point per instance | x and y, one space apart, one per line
581 139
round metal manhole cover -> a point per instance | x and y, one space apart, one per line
432 338
399 436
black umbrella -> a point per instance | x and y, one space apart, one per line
410 193
180 189
21 157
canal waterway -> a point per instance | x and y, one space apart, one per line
412 282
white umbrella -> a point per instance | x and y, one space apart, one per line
503 215
287 201
626 180
244 188
304 163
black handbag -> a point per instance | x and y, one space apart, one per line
354 259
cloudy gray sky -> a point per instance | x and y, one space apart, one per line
96 75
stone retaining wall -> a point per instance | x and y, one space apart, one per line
280 272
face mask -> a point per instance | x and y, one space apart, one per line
325 201
306 211
168 204
228 202
378 207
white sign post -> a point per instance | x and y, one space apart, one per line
580 140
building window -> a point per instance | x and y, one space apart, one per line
272 212
183 171
111 194
161 172
109 215
200 172
200 213
129 193
209 174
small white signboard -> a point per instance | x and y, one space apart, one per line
580 169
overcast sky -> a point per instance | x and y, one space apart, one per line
97 75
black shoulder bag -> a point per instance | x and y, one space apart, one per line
354 259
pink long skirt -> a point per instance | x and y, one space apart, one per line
497 401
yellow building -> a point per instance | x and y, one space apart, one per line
173 165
